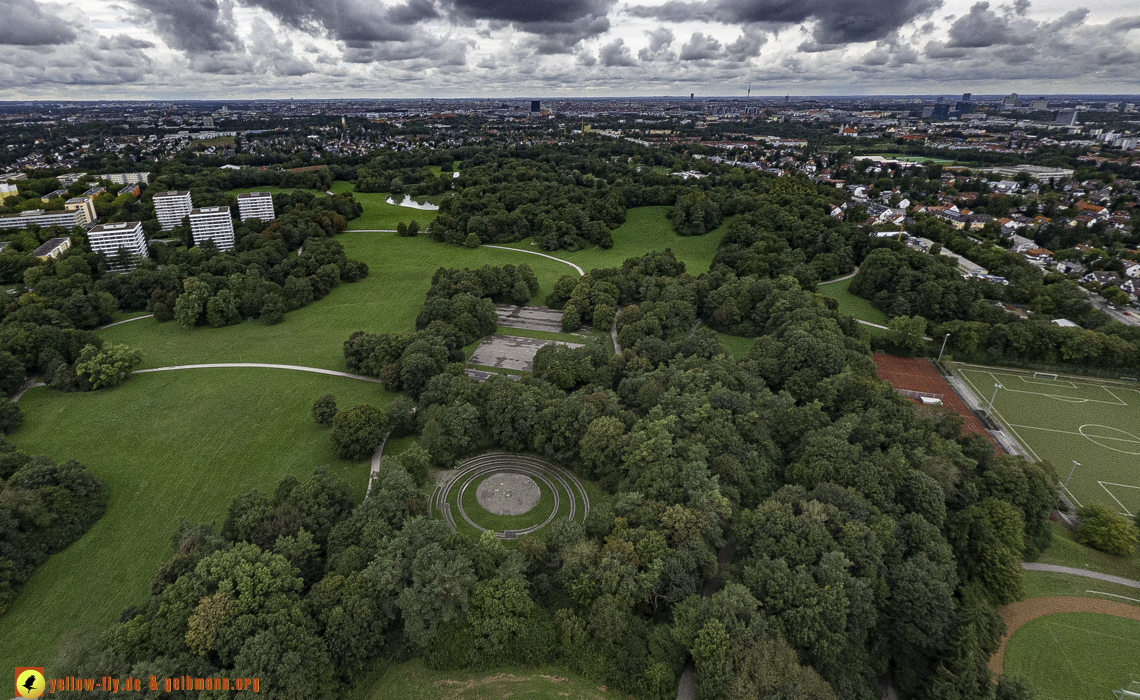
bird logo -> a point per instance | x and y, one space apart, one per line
30 682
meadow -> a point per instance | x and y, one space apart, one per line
169 445
1075 656
1095 423
645 229
856 307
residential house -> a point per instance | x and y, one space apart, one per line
1101 277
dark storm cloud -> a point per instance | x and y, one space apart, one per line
352 20
195 26
658 50
616 53
836 21
983 27
113 60
26 24
700 47
557 25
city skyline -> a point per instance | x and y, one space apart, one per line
206 49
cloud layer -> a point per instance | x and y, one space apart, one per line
222 48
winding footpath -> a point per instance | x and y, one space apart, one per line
119 323
1032 566
296 368
840 279
581 272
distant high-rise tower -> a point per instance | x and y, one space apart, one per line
535 106
966 96
692 95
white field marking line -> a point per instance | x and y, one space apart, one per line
1134 600
1076 378
1105 484
1133 439
1001 419
1050 430
1042 382
1071 496
1091 439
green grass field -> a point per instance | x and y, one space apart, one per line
273 190
737 347
1066 551
645 229
856 307
1075 656
378 214
1042 584
414 680
1093 422
169 445
386 301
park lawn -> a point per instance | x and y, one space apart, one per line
169 446
1075 656
387 301
342 186
645 230
1042 584
379 215
414 680
1066 551
737 347
853 306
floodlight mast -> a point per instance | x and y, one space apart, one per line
1065 486
943 347
991 406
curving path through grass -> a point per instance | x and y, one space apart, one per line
297 368
581 272
1054 568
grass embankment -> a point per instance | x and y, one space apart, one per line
414 680
387 301
1075 656
170 445
1066 551
378 214
645 229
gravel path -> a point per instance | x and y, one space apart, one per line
1030 566
1020 613
376 459
298 368
613 332
840 279
119 323
531 252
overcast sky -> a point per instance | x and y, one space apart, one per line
163 49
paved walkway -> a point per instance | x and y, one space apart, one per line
297 368
613 332
840 279
30 384
532 252
118 323
376 459
1031 566
371 230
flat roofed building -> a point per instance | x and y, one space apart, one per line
111 239
52 195
7 190
38 217
171 207
53 248
256 205
128 178
83 205
213 224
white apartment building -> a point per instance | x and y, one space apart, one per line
256 205
109 239
38 217
213 224
171 207
128 178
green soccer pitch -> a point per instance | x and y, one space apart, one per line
1066 419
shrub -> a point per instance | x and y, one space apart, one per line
324 410
1104 529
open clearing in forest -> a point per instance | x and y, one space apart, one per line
1062 419
413 680
169 445
645 229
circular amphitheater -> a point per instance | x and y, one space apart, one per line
509 494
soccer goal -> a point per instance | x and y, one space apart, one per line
1132 692
1044 375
